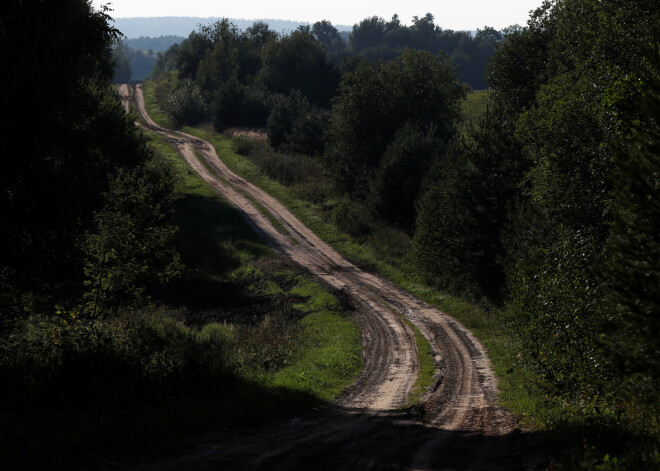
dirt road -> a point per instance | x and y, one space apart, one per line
456 426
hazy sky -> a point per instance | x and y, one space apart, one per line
449 14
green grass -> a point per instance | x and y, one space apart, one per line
426 366
325 365
338 339
474 106
331 357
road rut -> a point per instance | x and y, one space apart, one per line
458 424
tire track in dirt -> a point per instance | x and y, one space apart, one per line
364 428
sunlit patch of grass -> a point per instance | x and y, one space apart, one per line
474 107
330 360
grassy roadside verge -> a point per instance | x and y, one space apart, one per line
512 380
330 356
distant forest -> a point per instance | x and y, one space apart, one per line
156 44
183 25
373 38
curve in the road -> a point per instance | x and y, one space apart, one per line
462 400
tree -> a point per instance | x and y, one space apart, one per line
191 51
252 44
570 113
328 35
122 65
219 63
53 184
130 244
299 62
398 180
48 184
521 63
370 32
185 104
630 276
376 39
295 126
165 61
374 102
490 35
460 241
424 35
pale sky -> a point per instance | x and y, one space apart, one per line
449 14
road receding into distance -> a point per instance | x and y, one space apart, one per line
457 425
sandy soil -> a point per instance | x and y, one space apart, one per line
457 425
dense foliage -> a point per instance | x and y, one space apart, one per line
467 211
375 101
549 206
375 38
89 355
70 185
155 44
239 72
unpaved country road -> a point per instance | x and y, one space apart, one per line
458 424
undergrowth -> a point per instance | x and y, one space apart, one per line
226 345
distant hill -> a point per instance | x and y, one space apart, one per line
184 25
159 44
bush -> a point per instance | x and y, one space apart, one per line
295 126
64 360
255 109
235 104
398 179
269 345
554 312
243 145
185 104
352 218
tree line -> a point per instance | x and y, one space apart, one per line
374 38
132 64
258 78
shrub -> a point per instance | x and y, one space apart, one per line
295 126
235 104
243 145
398 179
352 218
65 360
185 104
269 345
